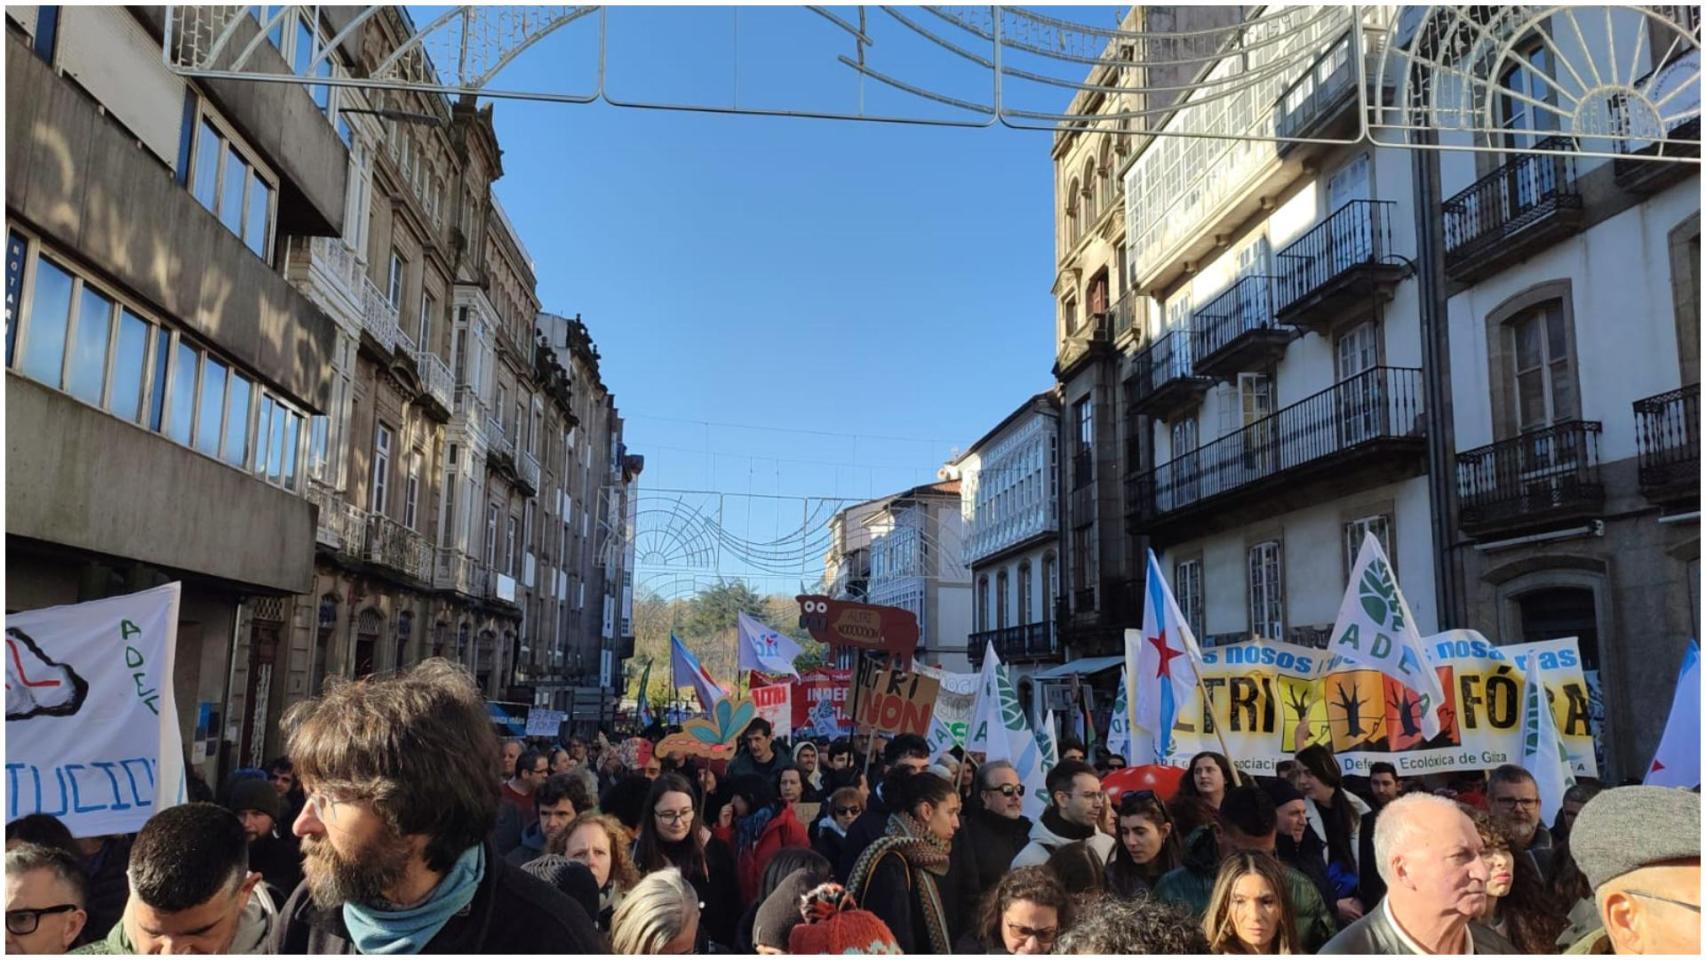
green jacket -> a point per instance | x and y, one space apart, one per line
254 928
115 942
1192 885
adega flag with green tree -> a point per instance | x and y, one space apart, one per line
1375 629
999 730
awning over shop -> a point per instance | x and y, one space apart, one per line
1082 667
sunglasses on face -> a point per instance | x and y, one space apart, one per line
1008 789
844 811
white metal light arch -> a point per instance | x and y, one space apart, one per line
1605 80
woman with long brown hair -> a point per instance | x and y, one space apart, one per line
1518 906
1335 815
1023 914
1250 910
1148 845
1208 777
670 837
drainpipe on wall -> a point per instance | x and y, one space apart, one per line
1436 384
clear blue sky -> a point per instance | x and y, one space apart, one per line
837 277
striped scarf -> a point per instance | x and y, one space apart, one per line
926 859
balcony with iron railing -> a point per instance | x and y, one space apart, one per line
379 317
1359 433
500 446
1094 336
338 525
1237 331
527 471
1545 477
327 270
1162 380
1339 269
395 547
1027 642
457 572
1524 205
438 386
1667 443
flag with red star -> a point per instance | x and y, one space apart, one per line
1161 663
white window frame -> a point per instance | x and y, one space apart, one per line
412 490
1188 589
229 140
376 497
394 280
1379 524
1265 581
491 534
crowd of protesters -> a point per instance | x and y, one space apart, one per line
401 823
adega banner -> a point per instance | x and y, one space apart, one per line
1271 699
955 701
91 724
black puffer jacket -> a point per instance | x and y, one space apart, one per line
511 913
983 853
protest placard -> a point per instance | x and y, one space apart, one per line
775 703
897 701
91 723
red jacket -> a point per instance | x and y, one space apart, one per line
783 830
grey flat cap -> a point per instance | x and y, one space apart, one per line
1626 828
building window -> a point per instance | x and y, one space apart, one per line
317 447
513 554
1267 598
1024 596
381 468
394 281
1381 526
1526 83
429 305
1187 589
982 603
412 490
1545 384
1049 587
228 180
1001 600
491 534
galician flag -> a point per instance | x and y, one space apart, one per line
1543 752
999 729
643 706
686 670
1119 725
1375 629
1677 762
1161 663
765 649
1048 744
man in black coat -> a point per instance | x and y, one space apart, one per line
993 829
399 773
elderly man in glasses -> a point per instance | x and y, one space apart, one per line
993 829
1640 849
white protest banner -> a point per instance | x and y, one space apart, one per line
954 702
775 703
91 723
545 723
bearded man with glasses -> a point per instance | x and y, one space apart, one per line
1074 813
993 829
1515 801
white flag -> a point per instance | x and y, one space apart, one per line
1677 762
1119 724
940 738
1543 752
1048 743
762 648
1375 629
999 729
91 722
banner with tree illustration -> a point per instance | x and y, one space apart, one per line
1271 699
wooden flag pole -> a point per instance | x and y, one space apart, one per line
1208 717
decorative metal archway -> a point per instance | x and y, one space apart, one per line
1606 80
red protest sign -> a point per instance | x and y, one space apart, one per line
820 685
775 704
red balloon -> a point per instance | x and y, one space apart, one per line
1161 779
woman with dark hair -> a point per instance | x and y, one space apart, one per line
1336 817
1250 908
669 837
761 825
1208 777
1570 891
899 875
1023 914
1518 906
785 862
1080 870
1148 845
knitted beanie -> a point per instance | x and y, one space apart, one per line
570 877
257 795
835 924
779 914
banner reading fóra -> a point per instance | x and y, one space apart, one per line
91 723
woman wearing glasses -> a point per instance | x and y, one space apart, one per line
1148 845
1024 914
843 808
669 837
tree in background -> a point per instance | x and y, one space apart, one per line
707 623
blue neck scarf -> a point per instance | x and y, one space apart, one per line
409 930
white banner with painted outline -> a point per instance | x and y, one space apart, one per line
91 724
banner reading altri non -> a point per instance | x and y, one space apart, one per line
1270 701
91 723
